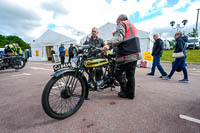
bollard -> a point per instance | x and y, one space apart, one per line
141 64
145 64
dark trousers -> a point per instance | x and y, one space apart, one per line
156 63
52 58
125 75
70 57
179 62
62 58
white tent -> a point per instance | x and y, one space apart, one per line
105 33
41 47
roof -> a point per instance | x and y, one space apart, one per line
52 38
105 32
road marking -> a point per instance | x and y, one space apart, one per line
40 68
45 64
189 118
22 74
48 64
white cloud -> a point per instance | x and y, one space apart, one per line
85 14
161 23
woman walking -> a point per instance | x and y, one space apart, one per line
179 63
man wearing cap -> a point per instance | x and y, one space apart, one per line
128 52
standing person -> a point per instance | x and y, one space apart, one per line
128 52
70 52
6 50
94 39
11 49
96 42
18 49
62 54
52 53
157 53
179 62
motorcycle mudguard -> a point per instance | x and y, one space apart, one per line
62 71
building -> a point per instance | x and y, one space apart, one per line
41 47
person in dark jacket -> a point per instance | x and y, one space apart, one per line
157 53
62 53
6 50
52 53
71 55
95 41
179 62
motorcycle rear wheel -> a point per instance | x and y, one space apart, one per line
20 63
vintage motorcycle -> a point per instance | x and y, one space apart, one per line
66 91
12 62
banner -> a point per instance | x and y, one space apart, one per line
147 56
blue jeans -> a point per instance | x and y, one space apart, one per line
156 63
179 62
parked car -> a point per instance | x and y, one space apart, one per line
193 43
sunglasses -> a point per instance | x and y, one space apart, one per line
94 31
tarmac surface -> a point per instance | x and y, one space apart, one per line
155 109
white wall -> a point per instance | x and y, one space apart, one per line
146 45
42 54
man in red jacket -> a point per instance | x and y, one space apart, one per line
128 52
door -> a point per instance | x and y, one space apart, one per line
48 50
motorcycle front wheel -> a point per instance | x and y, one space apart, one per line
63 95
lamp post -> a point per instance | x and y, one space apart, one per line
196 29
178 26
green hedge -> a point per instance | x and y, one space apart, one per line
192 56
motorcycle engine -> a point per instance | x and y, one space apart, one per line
3 64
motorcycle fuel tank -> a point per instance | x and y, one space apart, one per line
96 62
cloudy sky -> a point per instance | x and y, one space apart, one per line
31 18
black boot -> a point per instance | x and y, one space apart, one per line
122 92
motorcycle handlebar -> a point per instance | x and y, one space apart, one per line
86 47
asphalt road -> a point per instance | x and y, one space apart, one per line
155 109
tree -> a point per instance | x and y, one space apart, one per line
193 33
3 41
13 39
172 43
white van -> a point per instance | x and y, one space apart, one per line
193 43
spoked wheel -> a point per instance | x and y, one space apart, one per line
63 96
19 63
